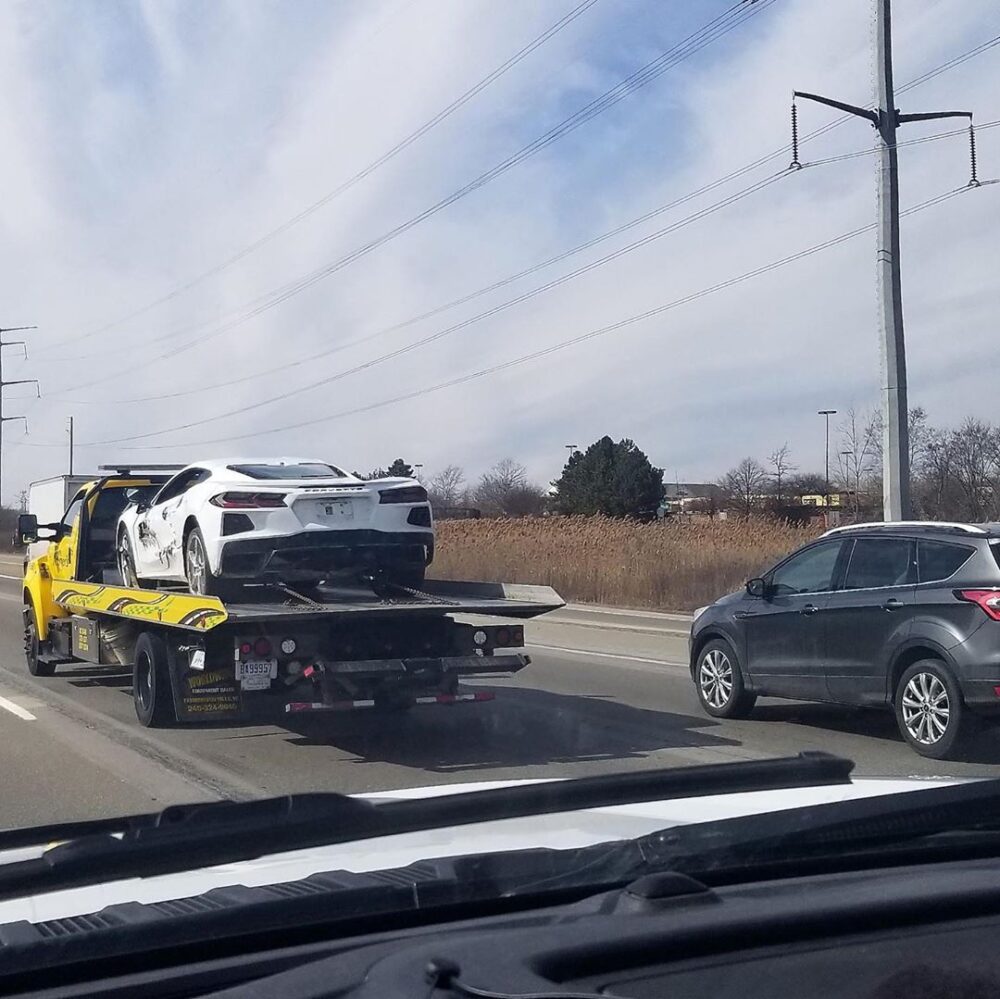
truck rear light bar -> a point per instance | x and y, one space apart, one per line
248 501
299 707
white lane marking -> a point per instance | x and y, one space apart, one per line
16 578
603 655
16 709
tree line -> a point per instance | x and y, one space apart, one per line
609 477
954 471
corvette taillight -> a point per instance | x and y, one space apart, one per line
248 501
403 494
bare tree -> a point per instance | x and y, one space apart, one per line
445 488
745 485
859 453
781 464
975 468
504 491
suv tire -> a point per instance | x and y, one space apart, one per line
718 678
930 712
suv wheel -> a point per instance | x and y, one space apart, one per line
930 712
719 680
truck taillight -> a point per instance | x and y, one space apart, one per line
989 600
262 647
248 501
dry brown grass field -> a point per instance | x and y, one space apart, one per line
669 566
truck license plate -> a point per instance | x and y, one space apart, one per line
336 509
257 674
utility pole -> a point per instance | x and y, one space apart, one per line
3 385
70 428
826 499
885 118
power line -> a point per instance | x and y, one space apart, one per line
466 323
565 344
391 153
734 16
741 171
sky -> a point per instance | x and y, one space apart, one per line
160 157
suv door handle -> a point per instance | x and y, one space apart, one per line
892 604
809 609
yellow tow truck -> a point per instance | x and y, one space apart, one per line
195 658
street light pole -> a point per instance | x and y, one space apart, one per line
827 413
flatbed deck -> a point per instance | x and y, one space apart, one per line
196 613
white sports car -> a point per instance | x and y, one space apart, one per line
296 521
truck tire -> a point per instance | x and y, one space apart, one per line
33 646
201 580
151 693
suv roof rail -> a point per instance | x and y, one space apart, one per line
932 524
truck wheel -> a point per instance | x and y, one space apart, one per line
930 712
154 701
201 579
32 646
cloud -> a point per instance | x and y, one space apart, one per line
146 143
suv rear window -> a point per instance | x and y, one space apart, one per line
311 470
938 560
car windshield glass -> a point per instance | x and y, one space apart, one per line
579 293
310 470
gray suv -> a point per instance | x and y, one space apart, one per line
904 615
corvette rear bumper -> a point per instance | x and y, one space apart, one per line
312 553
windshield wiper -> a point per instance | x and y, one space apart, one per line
184 837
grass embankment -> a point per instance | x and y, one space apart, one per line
669 566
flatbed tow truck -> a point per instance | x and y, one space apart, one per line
197 658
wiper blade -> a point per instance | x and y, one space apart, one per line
185 837
857 826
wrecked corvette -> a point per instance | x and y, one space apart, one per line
219 524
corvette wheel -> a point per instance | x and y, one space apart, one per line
126 563
201 579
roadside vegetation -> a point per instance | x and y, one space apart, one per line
672 565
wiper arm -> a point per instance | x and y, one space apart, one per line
185 837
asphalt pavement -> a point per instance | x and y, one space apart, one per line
608 690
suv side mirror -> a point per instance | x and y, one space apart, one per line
27 529
757 587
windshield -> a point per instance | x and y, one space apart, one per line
579 294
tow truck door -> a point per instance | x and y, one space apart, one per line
63 552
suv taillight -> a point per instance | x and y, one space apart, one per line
248 501
989 600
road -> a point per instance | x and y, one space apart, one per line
607 691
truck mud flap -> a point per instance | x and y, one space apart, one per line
209 694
